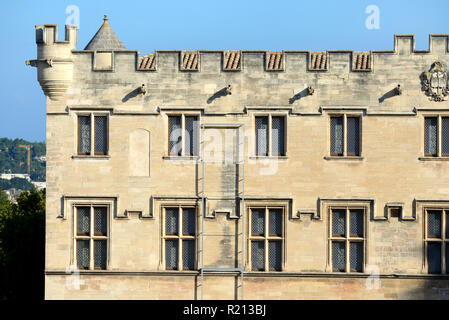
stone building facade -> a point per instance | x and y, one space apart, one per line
276 175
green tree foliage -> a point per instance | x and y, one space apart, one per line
22 247
3 199
14 159
18 183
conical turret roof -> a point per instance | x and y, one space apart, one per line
105 39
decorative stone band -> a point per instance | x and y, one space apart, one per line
361 61
190 61
232 61
147 62
318 61
274 61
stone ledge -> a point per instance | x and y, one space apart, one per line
106 157
181 158
433 158
343 158
254 274
268 157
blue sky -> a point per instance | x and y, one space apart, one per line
193 24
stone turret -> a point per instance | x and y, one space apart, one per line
54 59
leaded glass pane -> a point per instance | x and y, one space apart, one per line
337 136
434 223
188 221
356 256
339 222
175 135
275 255
258 255
84 134
100 221
82 254
434 257
275 222
191 136
188 254
101 135
83 220
445 136
171 220
258 222
431 140
262 136
447 257
171 254
338 256
447 225
100 254
353 136
277 136
356 223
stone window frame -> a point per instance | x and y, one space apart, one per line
270 115
182 114
369 208
266 237
345 114
92 115
98 202
439 155
180 236
444 240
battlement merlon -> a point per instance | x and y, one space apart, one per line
48 34
54 59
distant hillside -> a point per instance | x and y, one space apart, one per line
14 159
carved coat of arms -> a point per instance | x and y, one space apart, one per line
435 82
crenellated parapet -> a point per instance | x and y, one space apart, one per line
404 45
54 59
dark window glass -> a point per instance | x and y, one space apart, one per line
447 257
188 221
338 256
337 136
339 222
431 140
277 136
356 256
447 226
434 257
188 254
171 254
258 255
275 222
82 254
356 223
445 136
83 221
434 223
274 255
175 135
191 136
101 221
262 136
258 222
353 136
84 135
101 135
100 254
171 221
